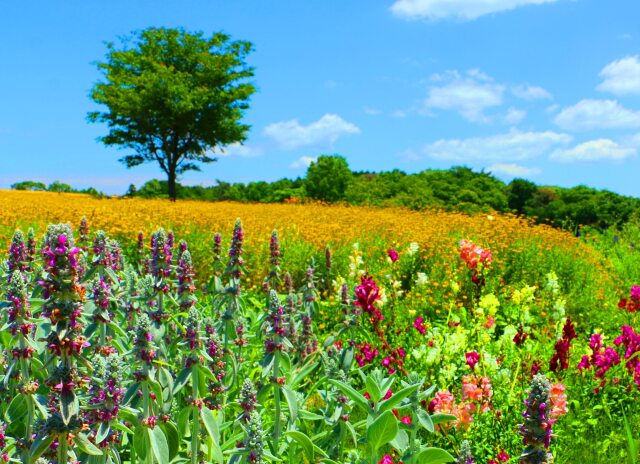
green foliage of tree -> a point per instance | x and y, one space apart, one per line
57 186
519 193
328 178
173 97
29 185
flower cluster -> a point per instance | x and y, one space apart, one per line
186 286
536 428
474 255
560 359
366 354
465 456
476 395
161 256
142 340
631 304
472 359
17 259
106 395
217 365
106 252
419 325
367 293
558 400
630 341
602 358
217 254
235 267
248 400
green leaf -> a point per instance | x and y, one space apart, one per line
141 442
17 408
356 397
373 389
433 456
382 430
181 380
103 432
39 446
86 446
173 439
440 418
159 445
69 406
397 398
304 441
210 423
292 401
401 441
425 420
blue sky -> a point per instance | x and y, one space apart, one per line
543 89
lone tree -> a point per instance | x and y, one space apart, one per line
173 97
328 178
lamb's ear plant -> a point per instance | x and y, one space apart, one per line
22 346
381 427
64 297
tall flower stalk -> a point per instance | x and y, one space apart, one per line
274 344
273 279
22 330
64 297
536 429
234 272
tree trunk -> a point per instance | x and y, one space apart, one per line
172 184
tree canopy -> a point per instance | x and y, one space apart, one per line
173 97
328 178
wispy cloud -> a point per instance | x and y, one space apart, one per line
239 150
456 9
513 170
594 150
322 133
514 116
591 114
530 92
469 94
302 162
512 146
621 77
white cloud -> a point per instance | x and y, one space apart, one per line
372 111
597 114
469 95
530 92
511 146
302 162
457 9
238 149
594 150
621 77
323 132
514 116
513 170
398 114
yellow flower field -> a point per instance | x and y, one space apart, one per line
314 225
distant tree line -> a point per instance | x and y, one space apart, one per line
329 179
55 186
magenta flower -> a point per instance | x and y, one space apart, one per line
393 255
472 359
367 293
419 325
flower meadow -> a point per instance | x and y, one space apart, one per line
405 337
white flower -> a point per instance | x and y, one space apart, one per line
421 279
413 248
